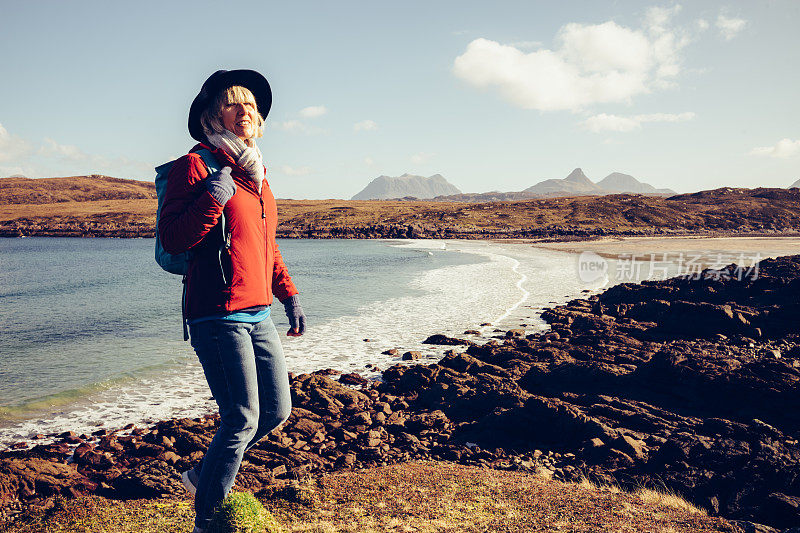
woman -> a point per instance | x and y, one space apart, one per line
234 271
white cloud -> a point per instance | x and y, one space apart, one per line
603 122
51 158
369 161
422 157
8 171
783 149
297 126
590 64
730 27
289 125
313 111
294 171
702 24
12 147
365 125
65 151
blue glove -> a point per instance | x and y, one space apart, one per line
220 185
297 319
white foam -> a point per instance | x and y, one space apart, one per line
514 282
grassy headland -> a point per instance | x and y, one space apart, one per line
405 497
99 206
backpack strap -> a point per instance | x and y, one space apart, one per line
209 160
212 165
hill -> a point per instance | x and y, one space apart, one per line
618 182
407 185
127 209
21 190
795 184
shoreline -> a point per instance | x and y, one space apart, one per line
608 366
402 231
626 387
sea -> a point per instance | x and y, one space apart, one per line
91 334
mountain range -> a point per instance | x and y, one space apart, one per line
436 187
577 183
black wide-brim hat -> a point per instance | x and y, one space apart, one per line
220 80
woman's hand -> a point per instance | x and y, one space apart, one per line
297 319
220 185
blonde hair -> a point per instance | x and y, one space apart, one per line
211 119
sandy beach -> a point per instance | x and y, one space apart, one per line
641 246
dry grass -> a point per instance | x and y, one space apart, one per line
427 497
141 209
667 498
412 497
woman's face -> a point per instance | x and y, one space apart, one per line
240 119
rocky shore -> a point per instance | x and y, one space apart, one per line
685 384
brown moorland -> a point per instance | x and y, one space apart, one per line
98 206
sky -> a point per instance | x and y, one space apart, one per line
493 95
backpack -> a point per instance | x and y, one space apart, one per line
177 263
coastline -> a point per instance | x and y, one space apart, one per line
621 389
725 211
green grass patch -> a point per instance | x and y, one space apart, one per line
241 512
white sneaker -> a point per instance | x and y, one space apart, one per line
190 481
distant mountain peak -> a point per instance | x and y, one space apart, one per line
795 184
577 175
575 183
625 183
406 185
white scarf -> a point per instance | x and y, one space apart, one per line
247 157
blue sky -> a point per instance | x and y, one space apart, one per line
492 95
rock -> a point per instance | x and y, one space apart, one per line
783 510
28 478
411 356
391 351
363 418
353 379
170 457
515 333
150 479
752 527
96 460
636 449
443 340
307 427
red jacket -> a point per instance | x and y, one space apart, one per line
252 265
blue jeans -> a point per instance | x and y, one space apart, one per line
246 371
